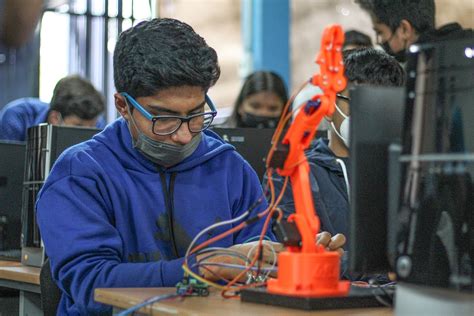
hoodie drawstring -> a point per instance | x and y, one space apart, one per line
346 178
168 195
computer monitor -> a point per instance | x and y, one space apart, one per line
252 143
376 122
12 165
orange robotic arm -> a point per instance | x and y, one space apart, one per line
310 269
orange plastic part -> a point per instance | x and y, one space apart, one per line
310 270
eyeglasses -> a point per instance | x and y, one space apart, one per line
168 124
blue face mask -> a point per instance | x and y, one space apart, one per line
162 153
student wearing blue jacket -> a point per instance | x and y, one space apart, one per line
329 158
121 209
75 102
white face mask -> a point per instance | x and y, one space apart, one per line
343 132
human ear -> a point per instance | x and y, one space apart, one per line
54 118
407 31
121 106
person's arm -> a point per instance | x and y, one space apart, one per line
287 203
250 192
85 248
12 124
18 21
325 238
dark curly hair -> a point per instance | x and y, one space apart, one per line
163 53
354 37
372 66
420 13
74 95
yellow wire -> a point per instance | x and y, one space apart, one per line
197 277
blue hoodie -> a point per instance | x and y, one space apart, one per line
20 114
111 218
328 186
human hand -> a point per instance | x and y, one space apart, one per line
212 272
332 243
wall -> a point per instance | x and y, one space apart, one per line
309 17
218 21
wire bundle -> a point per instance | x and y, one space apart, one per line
249 261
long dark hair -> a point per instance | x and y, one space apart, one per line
256 82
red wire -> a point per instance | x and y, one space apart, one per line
260 241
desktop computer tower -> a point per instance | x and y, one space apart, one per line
44 144
12 158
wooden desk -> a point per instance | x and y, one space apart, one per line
10 263
214 304
26 279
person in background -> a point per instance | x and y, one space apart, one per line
329 158
400 23
355 39
260 101
19 48
75 102
352 39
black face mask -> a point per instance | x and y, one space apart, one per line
251 120
400 56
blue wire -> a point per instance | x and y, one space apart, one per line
147 302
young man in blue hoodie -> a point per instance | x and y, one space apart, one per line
329 158
75 102
121 209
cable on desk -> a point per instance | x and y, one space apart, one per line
387 292
147 302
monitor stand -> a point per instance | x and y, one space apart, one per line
423 300
359 297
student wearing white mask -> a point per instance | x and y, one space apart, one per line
329 158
